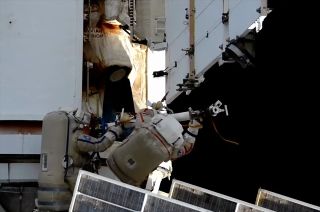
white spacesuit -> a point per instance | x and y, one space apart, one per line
156 137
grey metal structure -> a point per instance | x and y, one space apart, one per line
281 203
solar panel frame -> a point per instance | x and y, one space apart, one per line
151 201
239 205
266 199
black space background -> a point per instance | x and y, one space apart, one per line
274 115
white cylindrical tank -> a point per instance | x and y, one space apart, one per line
55 189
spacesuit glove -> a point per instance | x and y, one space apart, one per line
192 131
125 117
157 105
194 124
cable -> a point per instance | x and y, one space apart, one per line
66 156
220 136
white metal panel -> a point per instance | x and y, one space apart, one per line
20 144
209 35
4 174
40 57
243 13
24 171
175 19
150 20
177 38
11 144
31 144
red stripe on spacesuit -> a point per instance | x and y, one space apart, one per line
185 149
162 142
189 150
141 116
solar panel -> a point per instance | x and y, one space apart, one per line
246 208
99 194
88 204
110 192
280 203
209 199
158 204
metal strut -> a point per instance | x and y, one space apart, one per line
191 81
131 10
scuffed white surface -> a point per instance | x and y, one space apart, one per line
40 57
